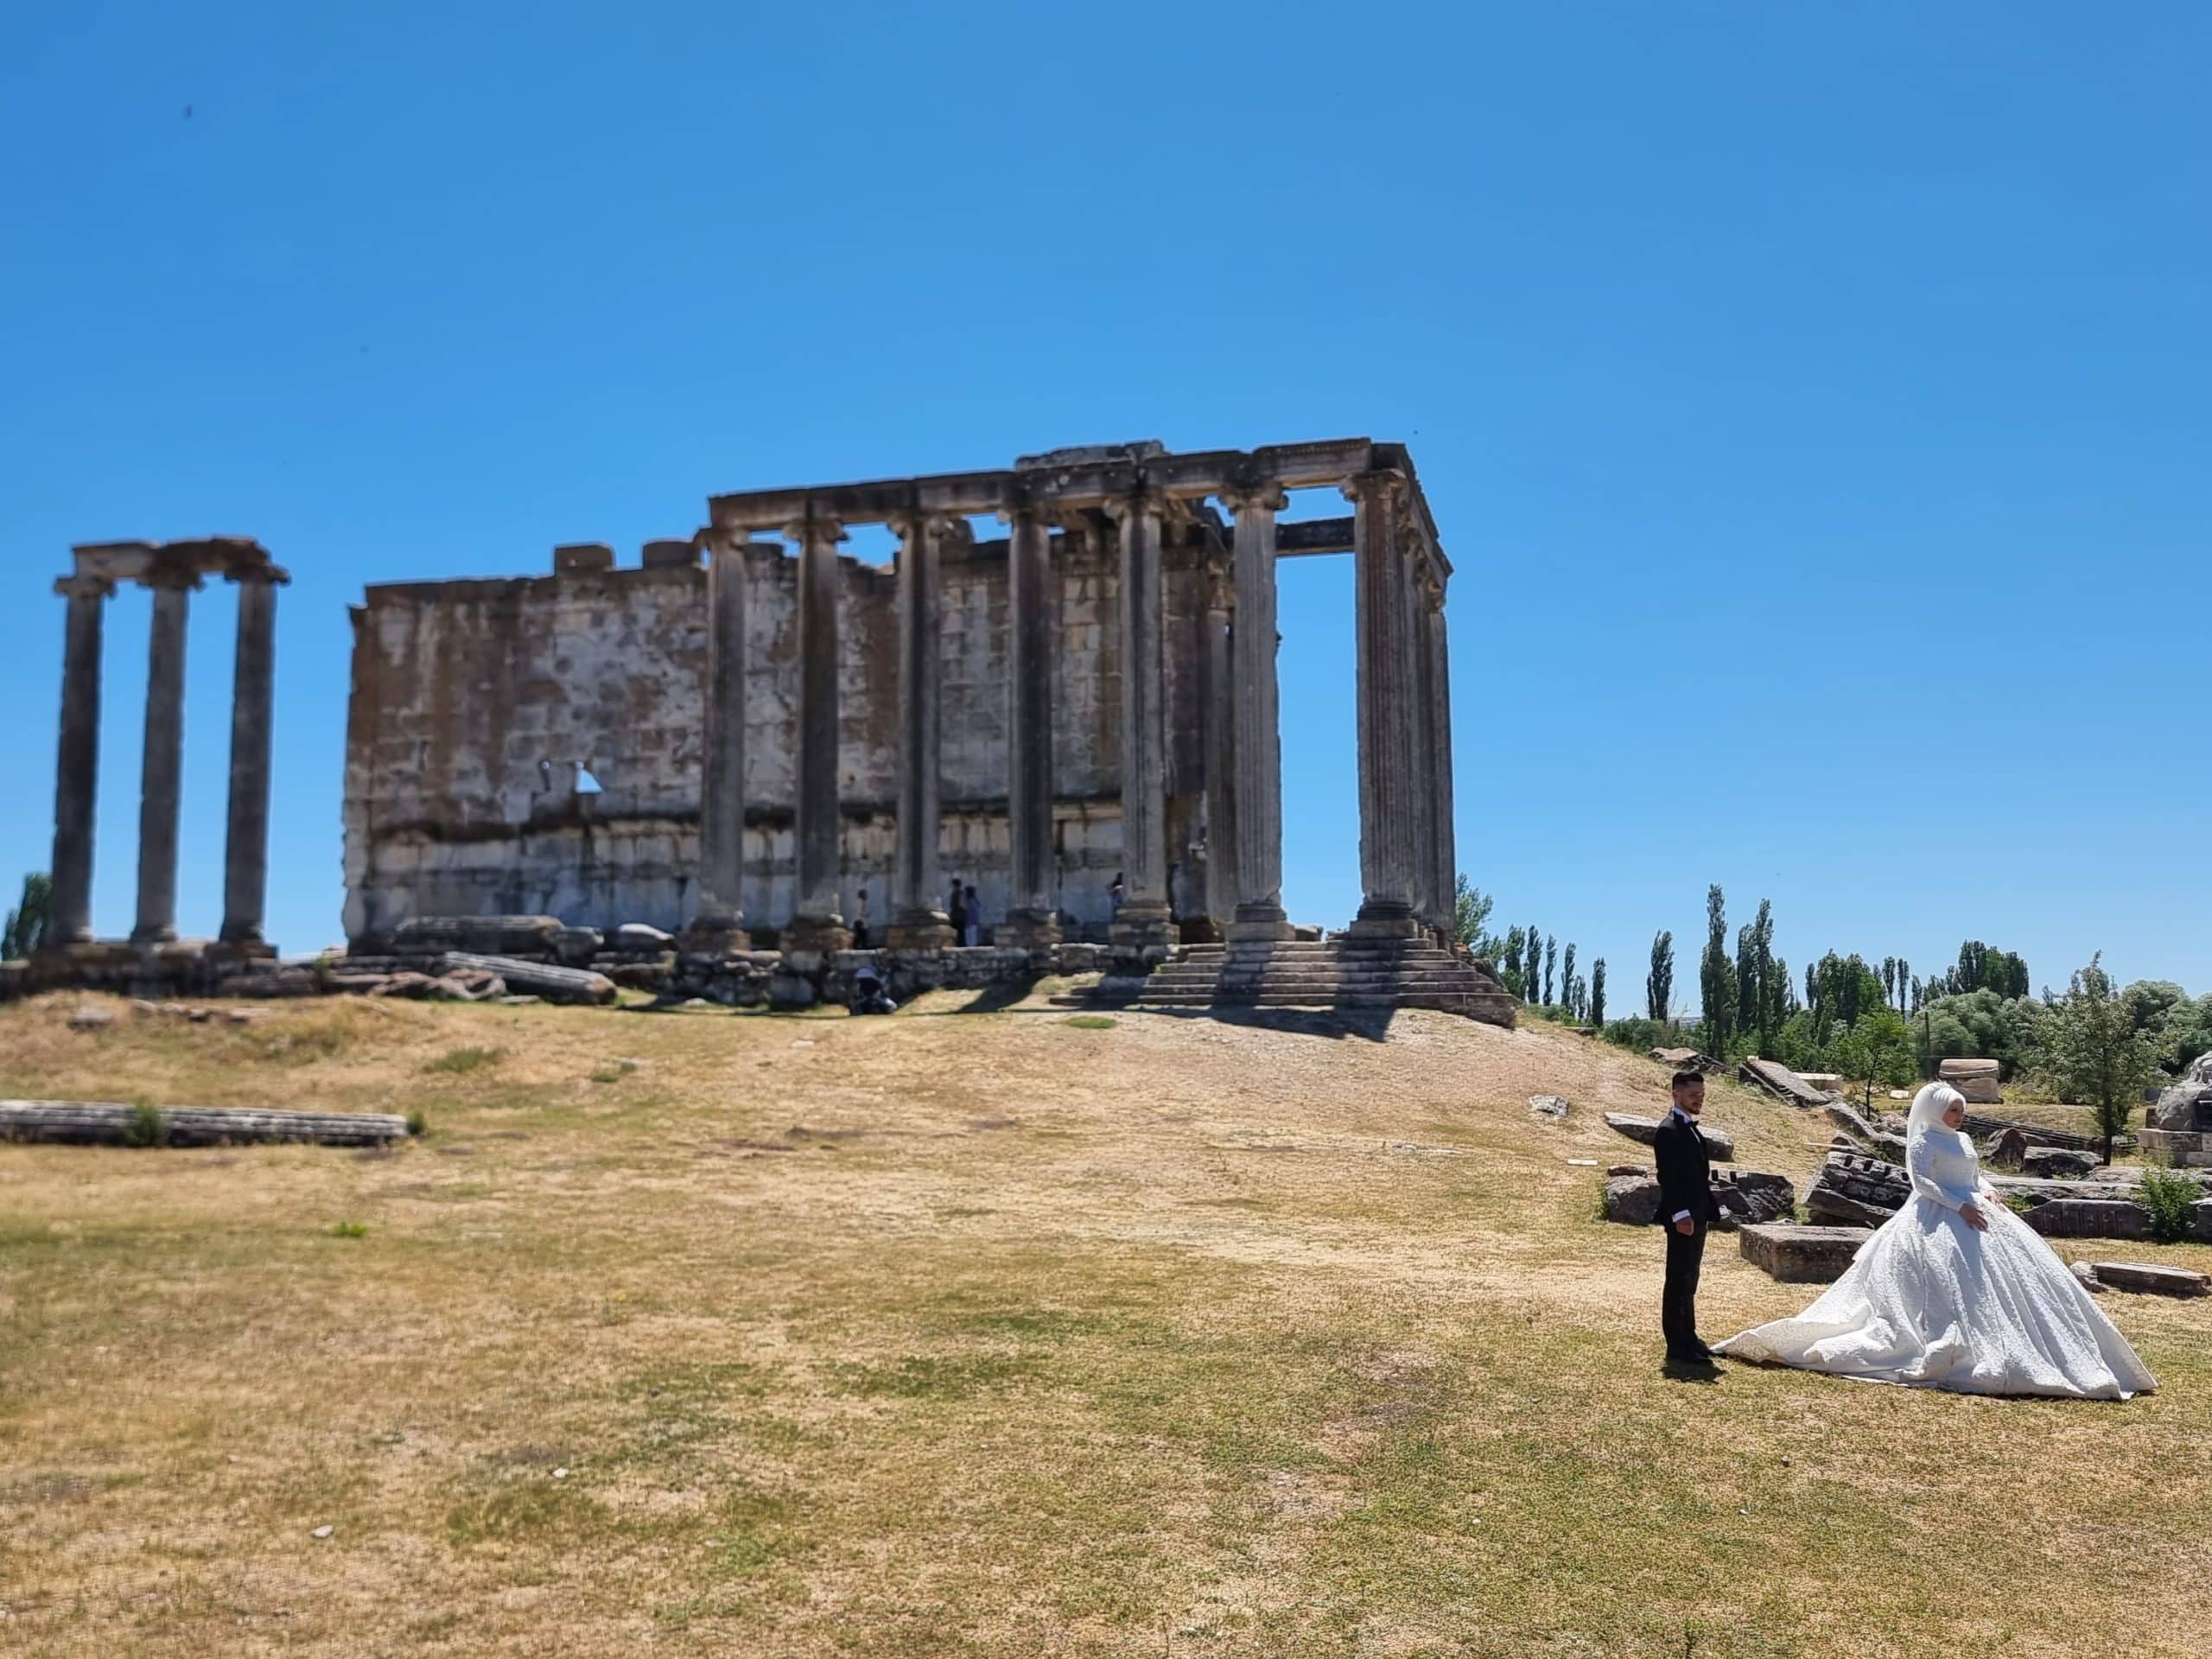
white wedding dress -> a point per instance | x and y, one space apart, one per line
1930 1302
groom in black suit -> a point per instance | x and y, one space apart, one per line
1686 1210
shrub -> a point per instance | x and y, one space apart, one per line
2167 1195
350 1229
147 1127
418 1124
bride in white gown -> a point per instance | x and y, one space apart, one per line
1954 1291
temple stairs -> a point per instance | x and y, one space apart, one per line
1338 973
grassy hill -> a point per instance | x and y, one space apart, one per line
991 1333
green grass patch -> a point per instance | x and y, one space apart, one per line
350 1229
1090 1021
460 1062
934 1377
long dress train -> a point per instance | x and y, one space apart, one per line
1930 1302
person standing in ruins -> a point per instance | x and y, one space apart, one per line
1686 1210
956 911
974 911
860 920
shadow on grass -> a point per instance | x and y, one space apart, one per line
1690 1371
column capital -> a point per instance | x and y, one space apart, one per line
85 586
173 579
1264 496
811 527
1121 508
273 575
945 526
1384 482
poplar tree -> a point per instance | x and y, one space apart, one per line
1659 984
1597 992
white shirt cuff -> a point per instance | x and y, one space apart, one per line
1681 1214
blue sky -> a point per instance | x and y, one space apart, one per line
1812 398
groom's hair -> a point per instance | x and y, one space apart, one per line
1684 1079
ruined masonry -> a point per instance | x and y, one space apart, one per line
736 739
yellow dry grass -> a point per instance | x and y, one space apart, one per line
983 1333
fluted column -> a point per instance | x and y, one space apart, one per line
1143 923
1259 913
918 921
1428 902
1442 838
161 776
720 924
69 915
1220 726
817 926
253 691
1389 796
1032 922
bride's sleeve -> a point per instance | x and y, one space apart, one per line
1919 1164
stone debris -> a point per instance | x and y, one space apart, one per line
1744 1196
1800 1255
1687 1059
1864 1135
2155 1277
2089 1218
1612 1170
1551 1106
322 1532
2057 1163
1718 1142
2087 1276
92 1017
1976 1079
73 1123
1782 1082
555 984
2007 1149
2186 1107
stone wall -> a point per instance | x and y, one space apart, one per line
482 710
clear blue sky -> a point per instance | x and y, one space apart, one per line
1814 397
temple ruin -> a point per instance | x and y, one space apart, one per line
756 748
735 737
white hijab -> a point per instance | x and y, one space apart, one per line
1927 1108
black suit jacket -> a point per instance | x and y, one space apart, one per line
1685 1172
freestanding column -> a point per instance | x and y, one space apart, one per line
1429 905
1221 752
69 916
1259 913
161 776
918 921
1032 922
245 854
1389 792
1442 837
1142 924
817 927
720 924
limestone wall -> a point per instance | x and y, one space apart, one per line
475 703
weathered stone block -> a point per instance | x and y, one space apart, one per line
1801 1254
2090 1219
1719 1143
1976 1079
2150 1276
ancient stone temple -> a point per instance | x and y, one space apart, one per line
1065 679
153 953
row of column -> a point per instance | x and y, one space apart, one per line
1405 853
246 863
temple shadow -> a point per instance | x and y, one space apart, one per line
1369 1025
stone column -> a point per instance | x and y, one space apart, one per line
719 926
253 692
160 777
817 927
1032 922
1428 903
1258 915
1142 924
918 917
1221 736
69 916
1389 791
1443 838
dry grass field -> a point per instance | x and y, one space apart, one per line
983 1332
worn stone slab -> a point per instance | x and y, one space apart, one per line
555 984
2089 1218
1718 1142
1743 1196
110 1123
1782 1082
1976 1079
2056 1163
1551 1106
2152 1276
1799 1254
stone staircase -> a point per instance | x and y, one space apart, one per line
1338 973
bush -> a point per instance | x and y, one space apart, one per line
1641 1035
2167 1195
350 1229
147 1127
418 1124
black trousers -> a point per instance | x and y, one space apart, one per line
1678 1301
